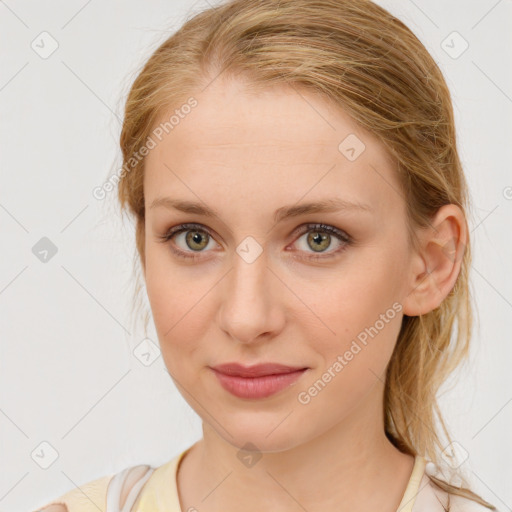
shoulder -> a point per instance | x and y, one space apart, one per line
431 498
123 489
89 497
116 490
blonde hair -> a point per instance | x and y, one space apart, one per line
361 59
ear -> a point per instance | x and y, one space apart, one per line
436 265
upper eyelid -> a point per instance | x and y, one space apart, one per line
201 227
345 239
340 234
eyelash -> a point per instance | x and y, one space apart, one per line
321 228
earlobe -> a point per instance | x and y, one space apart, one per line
437 265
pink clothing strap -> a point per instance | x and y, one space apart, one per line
116 485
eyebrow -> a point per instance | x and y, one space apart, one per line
285 212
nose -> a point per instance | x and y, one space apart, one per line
251 303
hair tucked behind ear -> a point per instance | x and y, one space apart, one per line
361 59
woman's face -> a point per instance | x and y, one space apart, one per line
253 285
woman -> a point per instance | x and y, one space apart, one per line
300 215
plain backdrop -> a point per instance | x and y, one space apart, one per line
76 402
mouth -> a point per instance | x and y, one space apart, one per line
257 382
257 370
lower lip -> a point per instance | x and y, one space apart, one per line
257 387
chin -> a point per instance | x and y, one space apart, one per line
252 433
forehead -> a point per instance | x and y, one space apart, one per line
270 146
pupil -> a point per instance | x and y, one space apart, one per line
318 239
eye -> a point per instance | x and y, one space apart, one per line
319 238
194 239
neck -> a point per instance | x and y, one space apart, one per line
353 466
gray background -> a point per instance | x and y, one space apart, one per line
68 373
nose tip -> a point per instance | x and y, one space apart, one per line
250 309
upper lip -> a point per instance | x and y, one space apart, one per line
256 370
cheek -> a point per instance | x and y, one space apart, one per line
159 286
361 309
173 302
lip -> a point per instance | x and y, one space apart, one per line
258 381
257 370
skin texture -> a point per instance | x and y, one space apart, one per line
245 155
